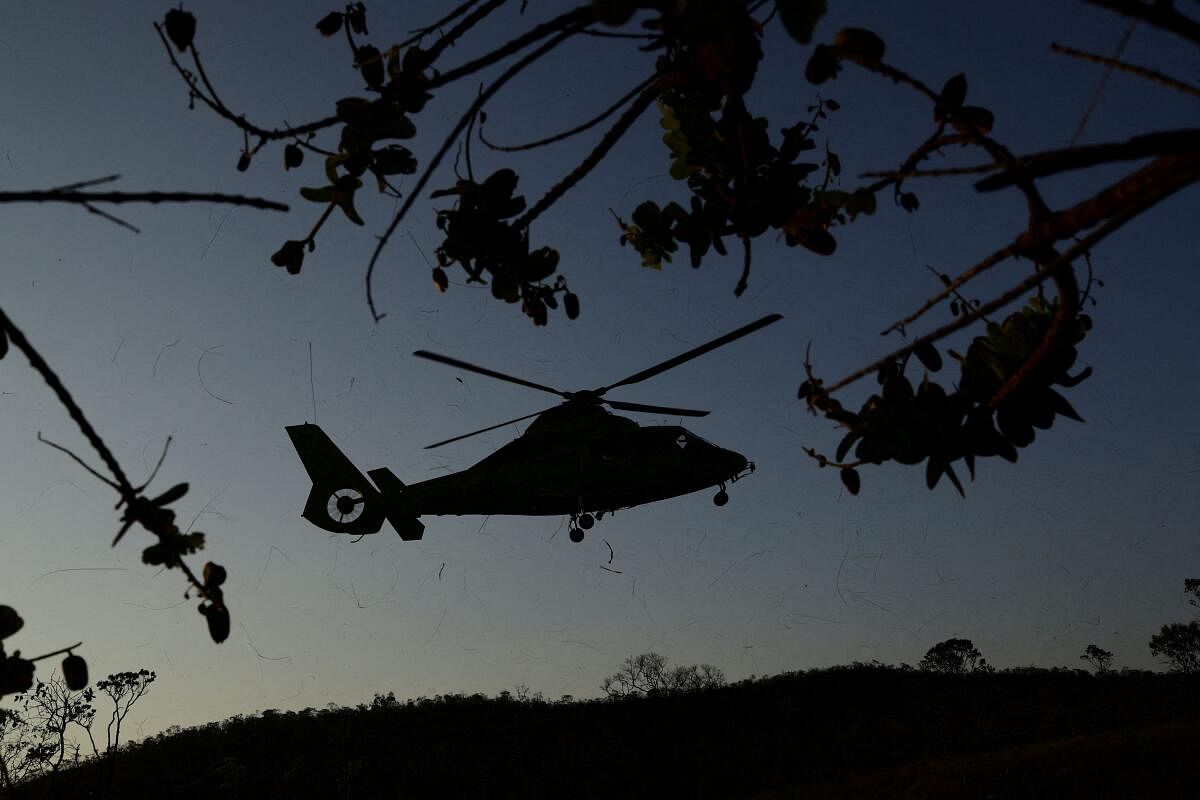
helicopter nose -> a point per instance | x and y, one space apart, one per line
733 463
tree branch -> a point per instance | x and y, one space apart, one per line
1158 14
1142 72
463 122
83 198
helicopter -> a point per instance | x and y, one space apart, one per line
575 459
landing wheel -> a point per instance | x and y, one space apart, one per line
721 498
576 535
586 521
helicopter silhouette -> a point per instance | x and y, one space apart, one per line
575 459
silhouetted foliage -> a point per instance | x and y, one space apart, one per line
1192 587
1019 733
954 657
1178 644
1098 658
648 674
738 182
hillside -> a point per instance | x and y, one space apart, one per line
846 732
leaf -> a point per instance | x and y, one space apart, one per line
933 471
214 575
75 672
847 442
218 621
290 256
571 305
822 65
954 479
394 159
1061 406
10 621
171 495
321 194
343 197
929 356
819 240
370 63
3 343
851 480
540 265
954 92
330 24
859 44
16 675
440 280
181 28
293 156
800 17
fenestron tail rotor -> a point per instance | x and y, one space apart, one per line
596 396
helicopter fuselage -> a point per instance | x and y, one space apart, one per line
612 465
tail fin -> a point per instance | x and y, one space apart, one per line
341 499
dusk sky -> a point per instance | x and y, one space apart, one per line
187 330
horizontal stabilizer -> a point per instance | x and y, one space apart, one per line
399 512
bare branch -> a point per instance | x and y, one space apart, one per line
591 123
1158 14
83 198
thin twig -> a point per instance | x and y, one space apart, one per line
568 21
1010 296
113 218
420 33
591 123
610 138
77 460
154 472
468 22
85 184
1102 83
196 91
992 260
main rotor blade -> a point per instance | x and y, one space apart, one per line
674 412
693 353
484 430
491 373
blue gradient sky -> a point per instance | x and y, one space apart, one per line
1086 540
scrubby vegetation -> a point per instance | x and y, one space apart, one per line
859 731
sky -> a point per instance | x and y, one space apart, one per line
186 330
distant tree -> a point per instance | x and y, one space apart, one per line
954 657
1192 587
1179 645
15 742
123 689
52 708
648 673
1099 658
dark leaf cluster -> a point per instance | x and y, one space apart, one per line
741 183
927 423
16 673
481 239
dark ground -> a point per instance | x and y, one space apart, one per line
853 732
